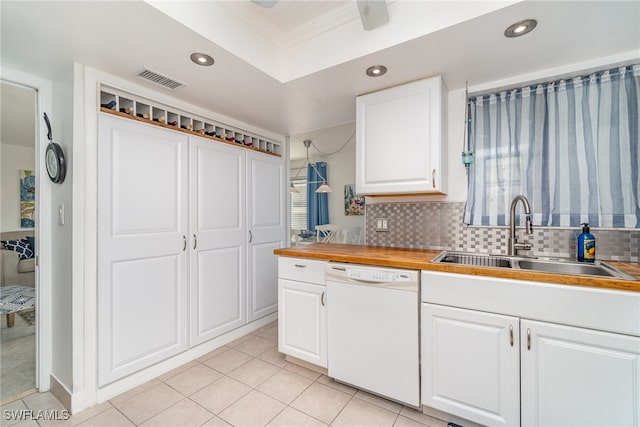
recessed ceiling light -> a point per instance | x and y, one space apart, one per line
376 70
202 59
520 28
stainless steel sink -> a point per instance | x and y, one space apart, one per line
479 260
598 268
544 265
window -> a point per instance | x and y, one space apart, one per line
570 146
298 218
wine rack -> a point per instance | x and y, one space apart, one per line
119 103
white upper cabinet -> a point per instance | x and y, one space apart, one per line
400 139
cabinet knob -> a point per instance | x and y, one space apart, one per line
322 299
300 265
433 178
195 241
250 236
184 243
528 339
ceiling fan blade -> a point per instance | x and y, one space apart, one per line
267 4
373 13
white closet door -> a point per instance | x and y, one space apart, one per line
266 231
218 239
142 246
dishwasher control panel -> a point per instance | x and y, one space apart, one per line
372 275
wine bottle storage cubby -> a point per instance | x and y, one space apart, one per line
115 102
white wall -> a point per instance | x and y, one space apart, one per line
13 158
340 167
61 244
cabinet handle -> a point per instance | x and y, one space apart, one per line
195 241
511 335
300 265
184 243
322 298
433 178
528 339
250 236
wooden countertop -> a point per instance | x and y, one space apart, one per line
417 259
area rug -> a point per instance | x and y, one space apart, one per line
29 316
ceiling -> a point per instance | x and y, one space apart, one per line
298 67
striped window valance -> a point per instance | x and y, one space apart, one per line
570 146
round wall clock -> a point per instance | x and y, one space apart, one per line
54 157
55 162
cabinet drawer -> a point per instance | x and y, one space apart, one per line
302 270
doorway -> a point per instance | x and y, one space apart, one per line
18 218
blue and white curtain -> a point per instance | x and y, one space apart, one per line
570 146
317 203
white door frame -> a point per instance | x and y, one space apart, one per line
43 228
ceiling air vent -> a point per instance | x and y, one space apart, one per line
159 79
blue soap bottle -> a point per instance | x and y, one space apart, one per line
586 245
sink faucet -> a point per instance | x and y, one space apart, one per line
513 241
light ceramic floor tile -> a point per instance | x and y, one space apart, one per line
150 402
42 401
109 418
254 372
27 423
271 333
305 372
178 370
90 412
135 391
379 401
220 394
255 409
361 413
216 422
193 379
185 413
407 422
290 417
274 357
227 361
422 418
215 352
321 402
11 413
285 386
334 384
255 345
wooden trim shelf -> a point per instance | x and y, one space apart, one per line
187 131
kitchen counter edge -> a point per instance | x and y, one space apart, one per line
420 259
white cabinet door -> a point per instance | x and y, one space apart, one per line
470 364
217 239
302 321
399 140
266 231
142 247
579 377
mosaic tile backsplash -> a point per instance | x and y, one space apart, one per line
438 226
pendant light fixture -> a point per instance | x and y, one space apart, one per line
324 188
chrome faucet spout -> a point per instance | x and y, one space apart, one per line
513 242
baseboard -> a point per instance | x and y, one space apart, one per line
441 415
60 392
120 386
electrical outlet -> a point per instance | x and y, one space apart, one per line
382 224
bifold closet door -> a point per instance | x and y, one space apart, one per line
266 231
218 242
142 246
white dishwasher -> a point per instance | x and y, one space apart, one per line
373 337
